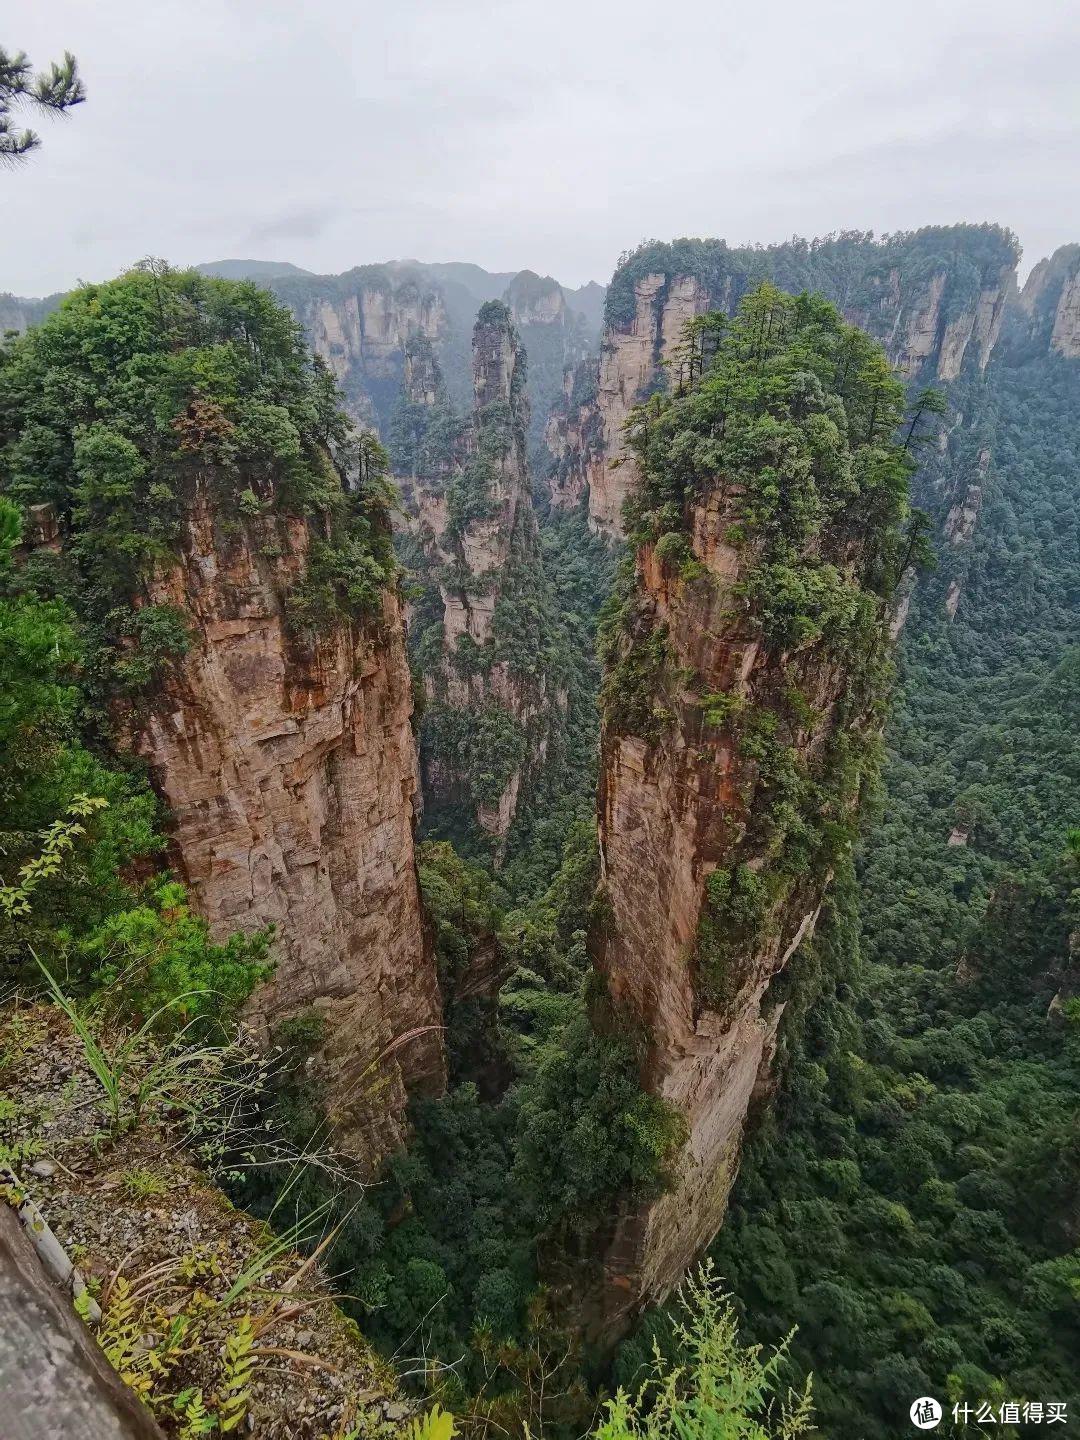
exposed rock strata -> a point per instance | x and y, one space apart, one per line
471 514
555 340
733 751
574 439
669 814
935 318
290 775
359 323
1050 301
963 514
630 360
1065 338
363 321
536 300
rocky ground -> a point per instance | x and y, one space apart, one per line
211 1318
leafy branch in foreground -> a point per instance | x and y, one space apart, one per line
722 1390
59 839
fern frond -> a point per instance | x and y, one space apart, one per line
236 1376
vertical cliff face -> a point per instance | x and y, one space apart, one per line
1041 329
18 314
929 324
934 299
555 340
290 774
536 300
485 630
632 353
363 322
226 544
1047 311
574 438
360 323
739 714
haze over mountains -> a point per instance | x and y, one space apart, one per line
479 284
456 275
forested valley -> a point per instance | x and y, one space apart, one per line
540 896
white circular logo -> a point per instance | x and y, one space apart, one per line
925 1413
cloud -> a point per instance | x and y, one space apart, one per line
305 222
544 137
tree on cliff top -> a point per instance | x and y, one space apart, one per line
126 395
52 92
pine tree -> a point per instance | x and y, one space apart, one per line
53 91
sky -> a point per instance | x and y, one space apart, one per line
551 135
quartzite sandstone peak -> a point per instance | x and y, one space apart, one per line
934 298
1050 302
490 701
725 751
290 773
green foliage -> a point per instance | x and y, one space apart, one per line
46 768
137 398
559 806
853 267
443 1253
721 707
343 579
673 549
51 92
436 1424
631 692
463 908
448 1241
159 954
424 438
236 1376
717 1389
485 746
140 1075
926 1135
57 842
784 419
469 500
459 900
731 929
587 1131
789 424
76 828
528 633
907 1202
476 741
793 418
909 1197
985 735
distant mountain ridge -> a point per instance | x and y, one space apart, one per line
250 269
362 320
481 285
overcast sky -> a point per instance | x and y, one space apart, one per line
550 134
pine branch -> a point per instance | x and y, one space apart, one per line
61 87
53 91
